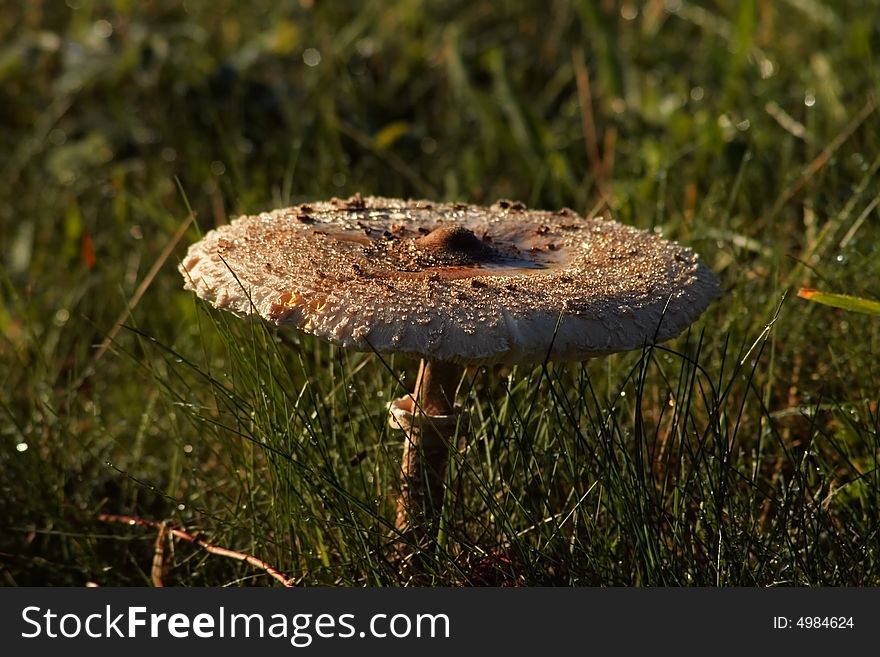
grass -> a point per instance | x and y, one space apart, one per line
742 453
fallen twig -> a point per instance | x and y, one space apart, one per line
164 529
158 569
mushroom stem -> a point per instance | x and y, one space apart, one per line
435 387
429 420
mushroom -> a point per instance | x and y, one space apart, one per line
454 285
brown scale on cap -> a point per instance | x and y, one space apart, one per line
447 252
456 244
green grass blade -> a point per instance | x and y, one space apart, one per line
842 301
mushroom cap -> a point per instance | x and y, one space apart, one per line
453 282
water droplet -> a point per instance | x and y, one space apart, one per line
102 29
629 12
21 447
61 317
311 57
809 99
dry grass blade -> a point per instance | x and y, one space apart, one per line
825 155
585 97
137 296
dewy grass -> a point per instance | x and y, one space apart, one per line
731 456
563 481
